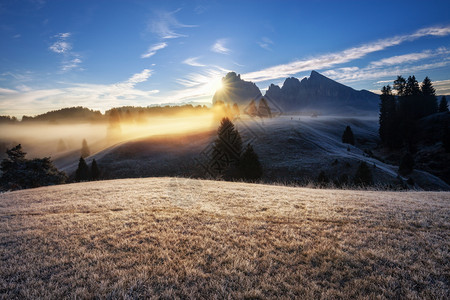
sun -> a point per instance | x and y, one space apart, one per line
216 84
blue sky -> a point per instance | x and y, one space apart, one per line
102 54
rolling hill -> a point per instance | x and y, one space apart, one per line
291 149
183 238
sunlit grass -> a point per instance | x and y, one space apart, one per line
181 238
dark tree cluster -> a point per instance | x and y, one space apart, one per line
135 114
69 114
229 160
129 114
363 177
8 120
84 173
399 113
21 173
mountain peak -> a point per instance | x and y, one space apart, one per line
290 82
236 90
317 75
232 76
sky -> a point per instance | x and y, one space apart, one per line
104 54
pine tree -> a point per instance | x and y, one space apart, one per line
13 167
249 165
82 172
95 171
443 105
85 152
429 102
406 164
409 110
400 86
384 113
363 175
227 147
388 129
347 137
412 86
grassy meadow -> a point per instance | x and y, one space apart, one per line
196 239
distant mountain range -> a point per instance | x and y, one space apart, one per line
314 93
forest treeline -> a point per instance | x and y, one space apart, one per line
125 114
402 107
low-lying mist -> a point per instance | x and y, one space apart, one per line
41 139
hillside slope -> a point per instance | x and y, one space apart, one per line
291 149
174 237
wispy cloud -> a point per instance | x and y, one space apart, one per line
442 87
333 59
400 59
23 88
96 96
61 45
165 24
392 66
137 78
384 81
408 58
70 64
4 91
71 60
359 74
192 61
265 43
152 50
219 47
20 77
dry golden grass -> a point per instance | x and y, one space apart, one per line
180 238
